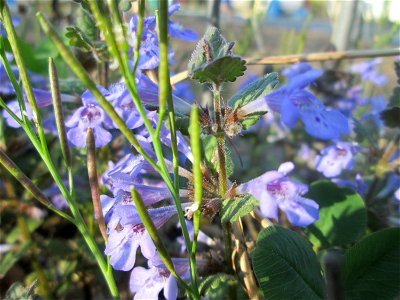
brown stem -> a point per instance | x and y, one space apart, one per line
244 261
94 184
296 58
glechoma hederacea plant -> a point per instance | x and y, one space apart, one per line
173 160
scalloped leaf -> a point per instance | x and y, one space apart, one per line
286 267
254 90
223 69
212 60
371 268
233 209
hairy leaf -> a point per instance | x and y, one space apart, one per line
254 90
233 209
212 60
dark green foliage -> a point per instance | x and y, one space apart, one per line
391 117
342 215
371 268
286 266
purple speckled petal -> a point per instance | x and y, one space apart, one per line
77 136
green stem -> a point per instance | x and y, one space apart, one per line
12 38
152 230
194 131
139 32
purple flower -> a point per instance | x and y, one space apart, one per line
127 232
368 72
358 184
87 116
147 283
378 104
293 102
335 158
275 190
296 69
149 52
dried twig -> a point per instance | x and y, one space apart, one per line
296 58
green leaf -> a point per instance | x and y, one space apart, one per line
125 5
223 69
391 117
371 268
216 287
12 257
233 209
254 90
87 24
394 100
286 267
16 292
342 215
212 60
78 38
209 143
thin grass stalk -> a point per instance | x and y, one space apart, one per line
12 38
59 116
165 98
94 183
82 74
194 131
153 232
139 32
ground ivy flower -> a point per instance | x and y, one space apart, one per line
368 72
148 283
293 103
87 116
127 232
274 189
336 158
